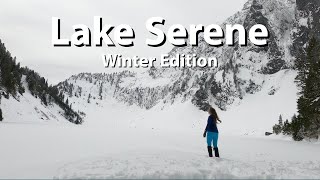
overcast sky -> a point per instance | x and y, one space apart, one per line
25 28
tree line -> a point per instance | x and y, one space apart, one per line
11 84
306 124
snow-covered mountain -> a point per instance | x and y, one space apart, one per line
252 86
242 70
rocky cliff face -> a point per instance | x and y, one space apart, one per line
307 25
242 69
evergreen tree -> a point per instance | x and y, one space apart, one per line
286 128
100 91
280 121
296 128
307 123
277 128
10 72
1 118
89 97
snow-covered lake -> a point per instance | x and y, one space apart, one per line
120 141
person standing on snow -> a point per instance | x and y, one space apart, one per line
211 132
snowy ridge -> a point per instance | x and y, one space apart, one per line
276 96
241 71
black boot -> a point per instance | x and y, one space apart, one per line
210 151
216 152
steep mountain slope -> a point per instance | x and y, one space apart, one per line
25 96
28 109
242 70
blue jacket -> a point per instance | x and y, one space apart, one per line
212 125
